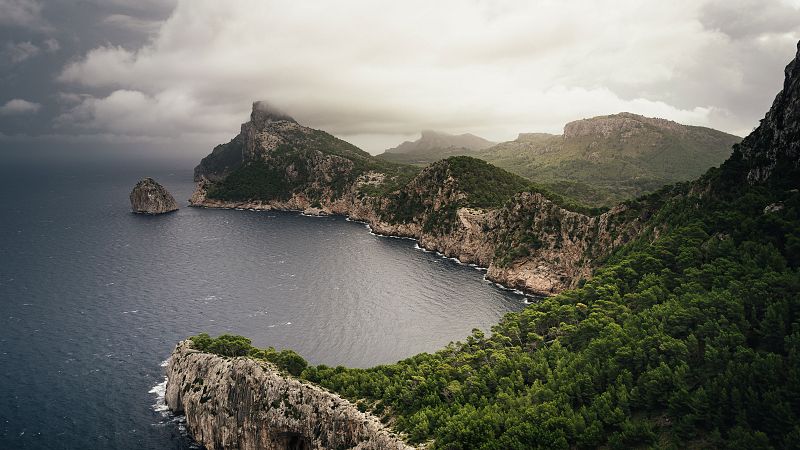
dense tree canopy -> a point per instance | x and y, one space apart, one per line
690 335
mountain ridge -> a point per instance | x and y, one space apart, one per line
459 206
608 159
434 145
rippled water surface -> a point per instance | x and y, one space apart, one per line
93 298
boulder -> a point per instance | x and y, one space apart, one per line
149 197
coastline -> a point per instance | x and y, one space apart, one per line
529 295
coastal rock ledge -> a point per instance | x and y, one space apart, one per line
149 197
243 403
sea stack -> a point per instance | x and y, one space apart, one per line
149 197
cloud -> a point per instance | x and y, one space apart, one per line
16 52
132 23
52 45
740 19
157 7
374 72
23 14
133 113
19 106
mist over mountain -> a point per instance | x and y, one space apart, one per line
598 161
435 145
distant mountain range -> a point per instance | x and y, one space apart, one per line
435 145
598 161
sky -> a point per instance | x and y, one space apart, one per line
173 78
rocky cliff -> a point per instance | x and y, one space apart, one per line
772 150
245 404
149 197
461 206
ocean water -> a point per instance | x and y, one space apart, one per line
94 298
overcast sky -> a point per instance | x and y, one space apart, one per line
180 76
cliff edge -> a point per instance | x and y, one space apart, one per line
246 404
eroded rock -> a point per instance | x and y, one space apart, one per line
149 197
242 403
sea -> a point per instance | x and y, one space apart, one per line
94 298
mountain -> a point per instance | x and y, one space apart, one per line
276 138
433 146
599 161
685 333
463 207
608 159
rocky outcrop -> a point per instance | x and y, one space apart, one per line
623 123
773 148
149 197
243 403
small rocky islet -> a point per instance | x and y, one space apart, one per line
149 197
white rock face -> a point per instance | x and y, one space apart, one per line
241 403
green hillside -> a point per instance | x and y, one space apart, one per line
609 159
599 161
691 338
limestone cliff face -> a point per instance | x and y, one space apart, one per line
149 197
242 403
553 249
774 147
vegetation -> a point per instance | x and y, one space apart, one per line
688 336
691 339
235 346
630 157
486 186
255 180
463 180
222 160
289 169
433 146
422 159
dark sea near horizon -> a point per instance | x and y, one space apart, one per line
94 298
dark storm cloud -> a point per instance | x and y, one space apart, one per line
22 14
37 39
377 72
